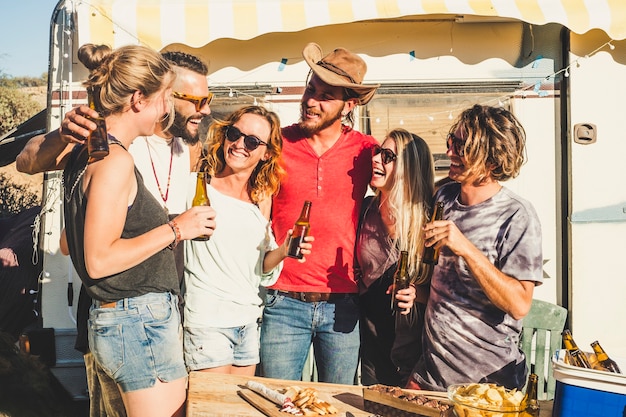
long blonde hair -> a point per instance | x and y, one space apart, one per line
412 188
265 180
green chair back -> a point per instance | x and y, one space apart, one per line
541 337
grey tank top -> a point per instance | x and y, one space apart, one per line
156 274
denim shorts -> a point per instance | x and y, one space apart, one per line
211 347
139 340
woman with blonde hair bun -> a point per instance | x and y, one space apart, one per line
119 237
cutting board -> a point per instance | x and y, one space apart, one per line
212 394
261 403
271 409
386 404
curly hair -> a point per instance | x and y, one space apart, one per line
494 143
265 179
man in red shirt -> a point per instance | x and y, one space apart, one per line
329 164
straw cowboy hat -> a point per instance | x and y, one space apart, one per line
340 68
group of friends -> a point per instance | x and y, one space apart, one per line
243 306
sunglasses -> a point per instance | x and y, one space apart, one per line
249 141
200 102
387 154
457 143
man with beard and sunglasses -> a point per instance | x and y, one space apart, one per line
329 164
164 160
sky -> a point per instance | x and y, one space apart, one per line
25 37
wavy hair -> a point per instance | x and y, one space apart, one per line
410 194
495 143
265 179
115 75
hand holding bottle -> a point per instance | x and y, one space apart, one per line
77 125
196 221
400 286
405 298
305 246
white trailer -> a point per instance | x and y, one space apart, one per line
558 65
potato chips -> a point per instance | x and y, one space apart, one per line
486 400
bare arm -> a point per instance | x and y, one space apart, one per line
49 152
509 294
110 186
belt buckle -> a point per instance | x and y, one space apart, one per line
303 297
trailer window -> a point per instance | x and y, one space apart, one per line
429 111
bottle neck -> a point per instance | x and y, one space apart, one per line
306 211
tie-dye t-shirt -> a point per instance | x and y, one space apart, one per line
466 337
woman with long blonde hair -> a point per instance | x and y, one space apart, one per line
392 221
119 237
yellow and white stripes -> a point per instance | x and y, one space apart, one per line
195 23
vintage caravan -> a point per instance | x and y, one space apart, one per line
559 65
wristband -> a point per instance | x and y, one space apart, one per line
176 231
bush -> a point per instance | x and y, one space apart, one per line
14 198
15 108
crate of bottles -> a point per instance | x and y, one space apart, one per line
587 392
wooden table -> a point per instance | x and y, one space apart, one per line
216 395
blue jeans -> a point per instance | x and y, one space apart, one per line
289 326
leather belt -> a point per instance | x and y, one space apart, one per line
111 304
311 297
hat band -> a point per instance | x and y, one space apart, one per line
332 68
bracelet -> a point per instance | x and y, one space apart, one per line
176 231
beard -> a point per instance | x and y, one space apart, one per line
310 127
179 129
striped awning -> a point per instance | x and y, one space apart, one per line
198 22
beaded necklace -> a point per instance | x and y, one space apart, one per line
156 177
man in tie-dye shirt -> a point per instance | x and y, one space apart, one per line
490 259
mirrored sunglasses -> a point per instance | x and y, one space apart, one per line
200 102
251 142
457 143
387 154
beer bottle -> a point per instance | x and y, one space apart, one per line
98 140
400 278
530 399
431 254
603 359
201 198
577 357
300 230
